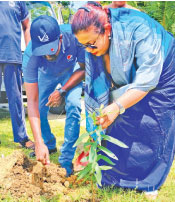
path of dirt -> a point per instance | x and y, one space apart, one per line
22 176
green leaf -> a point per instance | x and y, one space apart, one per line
85 159
102 106
99 138
101 109
93 116
85 178
93 153
80 139
99 128
85 171
114 141
87 144
109 153
105 167
105 158
98 174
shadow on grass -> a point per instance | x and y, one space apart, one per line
4 114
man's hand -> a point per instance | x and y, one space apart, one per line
42 153
54 99
110 113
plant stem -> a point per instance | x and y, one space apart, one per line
92 188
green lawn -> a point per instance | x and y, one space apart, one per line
167 193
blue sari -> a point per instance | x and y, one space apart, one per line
148 127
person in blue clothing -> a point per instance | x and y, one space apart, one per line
134 53
53 57
13 14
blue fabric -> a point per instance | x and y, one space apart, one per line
96 88
138 43
148 129
49 75
140 59
73 111
11 15
13 85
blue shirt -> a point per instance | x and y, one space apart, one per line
138 49
12 13
70 53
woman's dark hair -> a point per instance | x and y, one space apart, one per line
90 14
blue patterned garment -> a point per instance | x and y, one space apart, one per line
12 14
142 56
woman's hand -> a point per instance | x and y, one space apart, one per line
110 113
54 99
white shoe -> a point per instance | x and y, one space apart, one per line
151 195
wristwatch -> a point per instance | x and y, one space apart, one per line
62 92
121 108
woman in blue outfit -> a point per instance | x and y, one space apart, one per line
132 51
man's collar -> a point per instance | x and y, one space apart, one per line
65 42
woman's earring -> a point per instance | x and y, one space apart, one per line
109 37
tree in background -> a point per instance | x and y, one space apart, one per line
162 11
66 10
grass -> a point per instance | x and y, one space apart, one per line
167 193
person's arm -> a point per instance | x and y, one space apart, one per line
41 150
128 99
149 61
26 30
76 78
55 98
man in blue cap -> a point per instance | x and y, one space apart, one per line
50 59
13 14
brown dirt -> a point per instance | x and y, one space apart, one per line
21 176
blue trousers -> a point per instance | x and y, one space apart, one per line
13 86
47 84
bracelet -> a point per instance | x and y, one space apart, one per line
121 108
62 92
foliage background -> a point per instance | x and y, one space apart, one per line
162 11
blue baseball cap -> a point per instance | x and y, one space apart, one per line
45 35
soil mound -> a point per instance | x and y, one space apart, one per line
21 176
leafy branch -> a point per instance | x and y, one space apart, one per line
93 146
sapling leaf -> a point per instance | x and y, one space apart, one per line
105 158
93 153
93 116
105 167
88 143
86 148
85 171
102 106
100 128
98 174
85 159
101 109
114 141
108 152
93 167
97 179
85 178
84 135
99 138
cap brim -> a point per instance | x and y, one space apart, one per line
46 49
